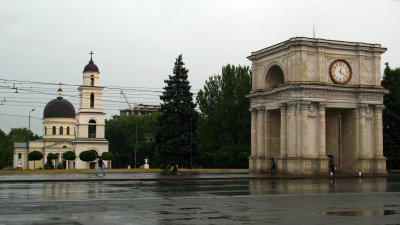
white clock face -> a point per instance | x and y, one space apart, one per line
340 71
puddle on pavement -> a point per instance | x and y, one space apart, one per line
361 213
90 218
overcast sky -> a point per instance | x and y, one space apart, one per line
136 42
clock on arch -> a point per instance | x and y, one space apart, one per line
340 71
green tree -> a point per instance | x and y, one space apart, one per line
21 135
87 156
69 155
35 156
6 151
50 158
7 142
225 117
178 119
124 159
121 134
391 116
107 156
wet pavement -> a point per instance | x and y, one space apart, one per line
215 198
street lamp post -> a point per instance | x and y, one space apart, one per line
136 140
27 143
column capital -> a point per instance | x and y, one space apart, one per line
282 106
379 108
362 108
305 105
253 110
291 106
260 110
321 106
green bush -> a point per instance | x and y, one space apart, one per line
51 156
232 157
34 156
60 166
124 159
48 165
107 156
70 155
87 156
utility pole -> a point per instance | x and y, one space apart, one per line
27 143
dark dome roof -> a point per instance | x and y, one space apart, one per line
91 67
59 108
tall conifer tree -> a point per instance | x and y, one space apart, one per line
391 117
174 143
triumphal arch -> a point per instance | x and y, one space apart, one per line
312 98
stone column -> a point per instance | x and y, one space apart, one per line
321 130
260 132
283 150
253 132
378 131
305 147
363 148
291 129
267 134
15 160
23 161
59 158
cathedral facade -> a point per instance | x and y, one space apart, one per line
65 130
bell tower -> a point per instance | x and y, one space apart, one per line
90 119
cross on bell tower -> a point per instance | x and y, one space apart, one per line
91 54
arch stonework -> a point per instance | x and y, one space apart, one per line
274 77
308 116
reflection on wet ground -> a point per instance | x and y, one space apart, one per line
372 200
362 213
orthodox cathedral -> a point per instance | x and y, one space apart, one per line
64 130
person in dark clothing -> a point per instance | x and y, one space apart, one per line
331 164
273 165
101 164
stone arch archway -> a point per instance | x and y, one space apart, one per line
274 77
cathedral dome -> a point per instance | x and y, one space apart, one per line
91 67
59 108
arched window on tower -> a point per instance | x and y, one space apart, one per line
61 130
92 129
54 130
92 80
45 130
67 130
92 100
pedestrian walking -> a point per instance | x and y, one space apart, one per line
331 164
273 165
101 164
